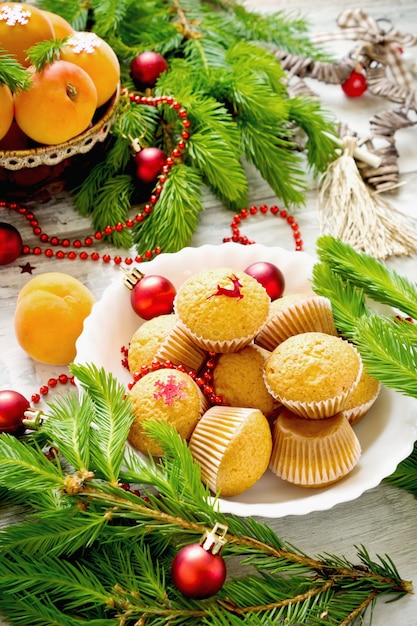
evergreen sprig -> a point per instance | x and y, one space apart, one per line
224 73
102 554
357 286
12 73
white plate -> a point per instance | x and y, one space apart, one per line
386 434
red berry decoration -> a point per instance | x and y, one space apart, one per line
198 570
270 277
355 85
149 164
152 296
147 67
12 408
10 243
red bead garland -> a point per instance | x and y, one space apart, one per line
263 210
108 230
62 379
204 379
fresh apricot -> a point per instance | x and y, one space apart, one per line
59 104
22 26
49 317
6 110
97 58
61 27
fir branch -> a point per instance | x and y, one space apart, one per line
68 427
274 159
112 206
76 13
63 531
174 218
45 52
374 277
348 302
25 468
307 115
112 419
80 563
389 353
12 73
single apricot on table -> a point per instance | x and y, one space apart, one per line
49 317
59 104
6 110
21 27
97 58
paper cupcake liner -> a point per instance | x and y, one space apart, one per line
216 446
179 348
211 345
315 462
322 408
314 314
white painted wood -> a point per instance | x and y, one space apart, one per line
383 519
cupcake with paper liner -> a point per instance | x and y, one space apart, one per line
313 374
238 379
147 340
162 338
313 453
362 398
179 348
164 394
222 309
294 314
233 447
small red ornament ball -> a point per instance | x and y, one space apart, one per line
12 408
355 85
146 67
152 296
10 243
149 164
270 277
197 573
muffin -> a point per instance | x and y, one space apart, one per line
294 314
233 447
238 379
313 374
147 339
313 453
362 398
165 394
223 308
179 348
163 339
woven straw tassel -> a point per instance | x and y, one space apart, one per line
349 211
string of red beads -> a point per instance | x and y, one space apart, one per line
204 379
71 250
62 379
263 210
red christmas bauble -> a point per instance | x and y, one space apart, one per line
147 66
152 295
355 85
270 277
12 408
10 243
149 164
197 573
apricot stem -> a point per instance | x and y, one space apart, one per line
71 91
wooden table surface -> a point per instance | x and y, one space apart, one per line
383 519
